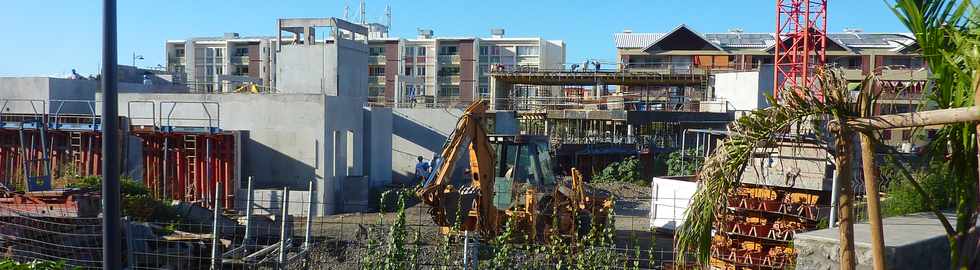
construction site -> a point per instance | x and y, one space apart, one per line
330 144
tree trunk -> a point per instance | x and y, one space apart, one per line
874 210
845 201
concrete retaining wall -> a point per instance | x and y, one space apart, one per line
418 132
916 241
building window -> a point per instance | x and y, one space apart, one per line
376 51
448 50
375 91
909 62
409 51
484 70
906 134
489 50
484 91
527 51
219 69
241 52
179 52
377 71
408 70
449 71
241 70
420 51
218 52
886 134
420 71
178 69
449 91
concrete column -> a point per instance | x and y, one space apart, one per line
264 67
499 94
227 66
190 63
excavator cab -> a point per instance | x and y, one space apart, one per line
522 164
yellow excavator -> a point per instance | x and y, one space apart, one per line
509 178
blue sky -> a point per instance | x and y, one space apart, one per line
50 37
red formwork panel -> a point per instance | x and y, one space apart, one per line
67 159
188 166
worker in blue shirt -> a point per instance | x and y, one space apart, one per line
421 170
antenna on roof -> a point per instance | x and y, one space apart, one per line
346 11
388 16
737 31
363 12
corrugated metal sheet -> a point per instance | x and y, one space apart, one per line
635 40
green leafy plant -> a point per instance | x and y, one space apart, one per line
627 170
34 265
686 164
948 37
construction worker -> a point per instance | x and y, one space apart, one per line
421 170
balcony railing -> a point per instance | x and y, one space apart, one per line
449 59
899 74
240 59
622 103
377 59
376 79
449 79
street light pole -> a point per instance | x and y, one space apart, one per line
111 227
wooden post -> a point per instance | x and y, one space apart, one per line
845 199
874 210
871 186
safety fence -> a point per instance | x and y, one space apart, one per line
274 230
277 232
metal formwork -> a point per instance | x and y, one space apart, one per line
188 166
184 156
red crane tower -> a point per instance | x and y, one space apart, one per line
801 42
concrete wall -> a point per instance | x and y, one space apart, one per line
917 241
741 90
377 128
314 68
418 132
19 93
292 137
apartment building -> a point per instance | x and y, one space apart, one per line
892 56
221 64
443 70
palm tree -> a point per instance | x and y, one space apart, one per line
800 108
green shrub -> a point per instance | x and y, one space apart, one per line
136 200
627 170
34 265
127 186
687 165
902 198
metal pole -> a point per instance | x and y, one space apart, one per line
166 144
216 230
466 250
309 217
833 197
111 232
248 217
283 245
